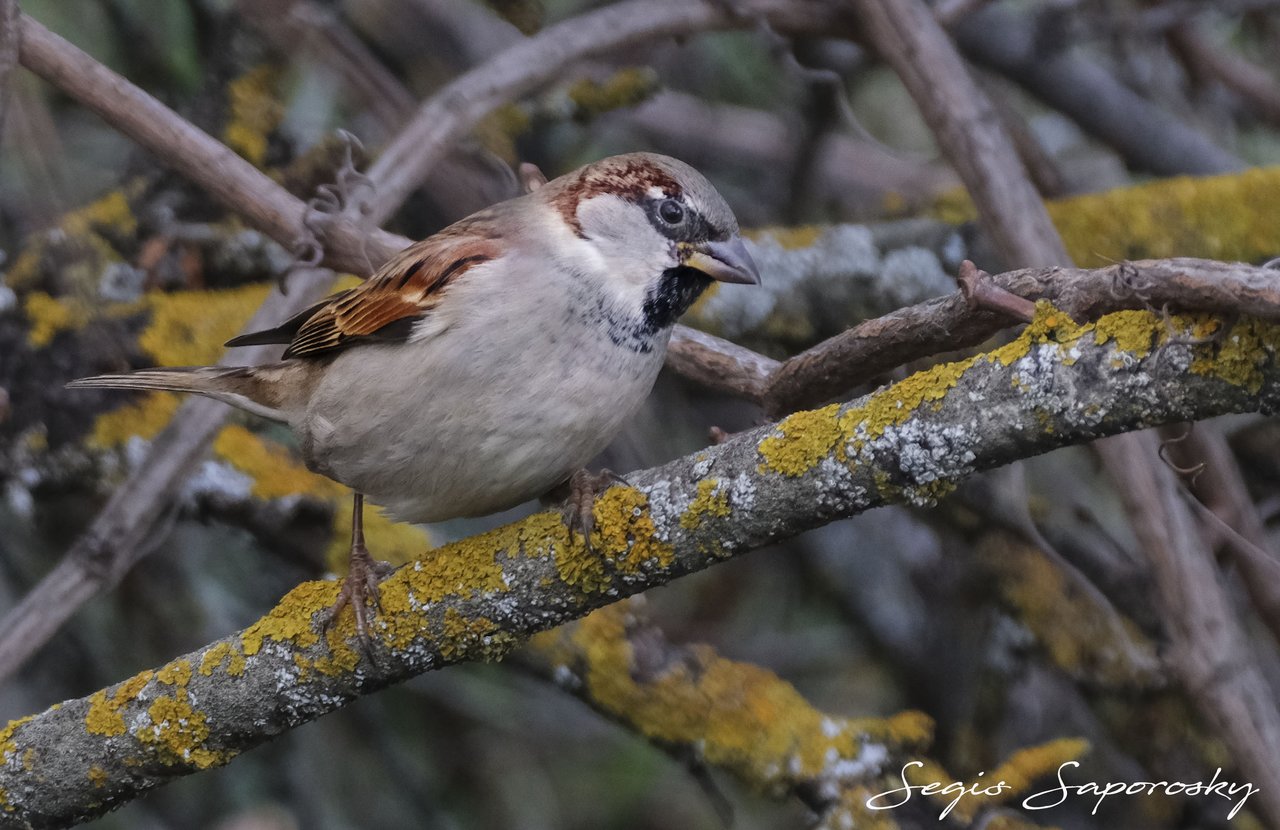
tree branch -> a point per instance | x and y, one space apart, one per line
195 154
1057 384
945 324
1210 652
1146 136
910 40
461 104
9 41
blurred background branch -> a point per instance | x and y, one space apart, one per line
1019 611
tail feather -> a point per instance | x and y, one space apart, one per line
255 389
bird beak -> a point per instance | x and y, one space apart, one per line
726 261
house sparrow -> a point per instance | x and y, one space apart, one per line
481 367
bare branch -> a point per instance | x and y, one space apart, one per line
1252 83
1210 652
1146 136
230 179
9 39
453 111
909 38
909 442
719 364
982 294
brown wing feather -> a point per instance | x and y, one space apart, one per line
384 308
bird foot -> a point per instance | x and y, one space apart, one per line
584 488
360 590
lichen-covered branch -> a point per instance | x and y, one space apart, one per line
709 710
1058 383
948 323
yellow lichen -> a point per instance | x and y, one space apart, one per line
7 744
789 237
82 233
1215 217
1080 639
712 500
339 658
48 316
180 731
290 620
144 418
624 531
801 440
103 717
98 776
741 717
1131 331
254 113
111 213
177 673
188 328
217 654
624 88
461 636
1239 356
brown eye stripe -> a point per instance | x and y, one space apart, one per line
629 178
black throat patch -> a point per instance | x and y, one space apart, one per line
675 292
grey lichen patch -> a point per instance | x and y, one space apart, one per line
910 274
816 282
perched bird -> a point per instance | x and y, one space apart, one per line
485 365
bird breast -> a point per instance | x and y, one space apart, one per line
496 406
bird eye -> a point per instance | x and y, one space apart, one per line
671 211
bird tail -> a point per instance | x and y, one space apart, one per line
254 389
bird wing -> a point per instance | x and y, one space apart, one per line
385 307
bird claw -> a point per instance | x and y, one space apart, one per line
584 488
360 590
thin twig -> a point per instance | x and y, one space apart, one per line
1252 83
9 39
1145 135
719 364
461 104
1210 652
1221 493
982 294
909 38
231 180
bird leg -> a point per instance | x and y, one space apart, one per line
360 586
584 488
